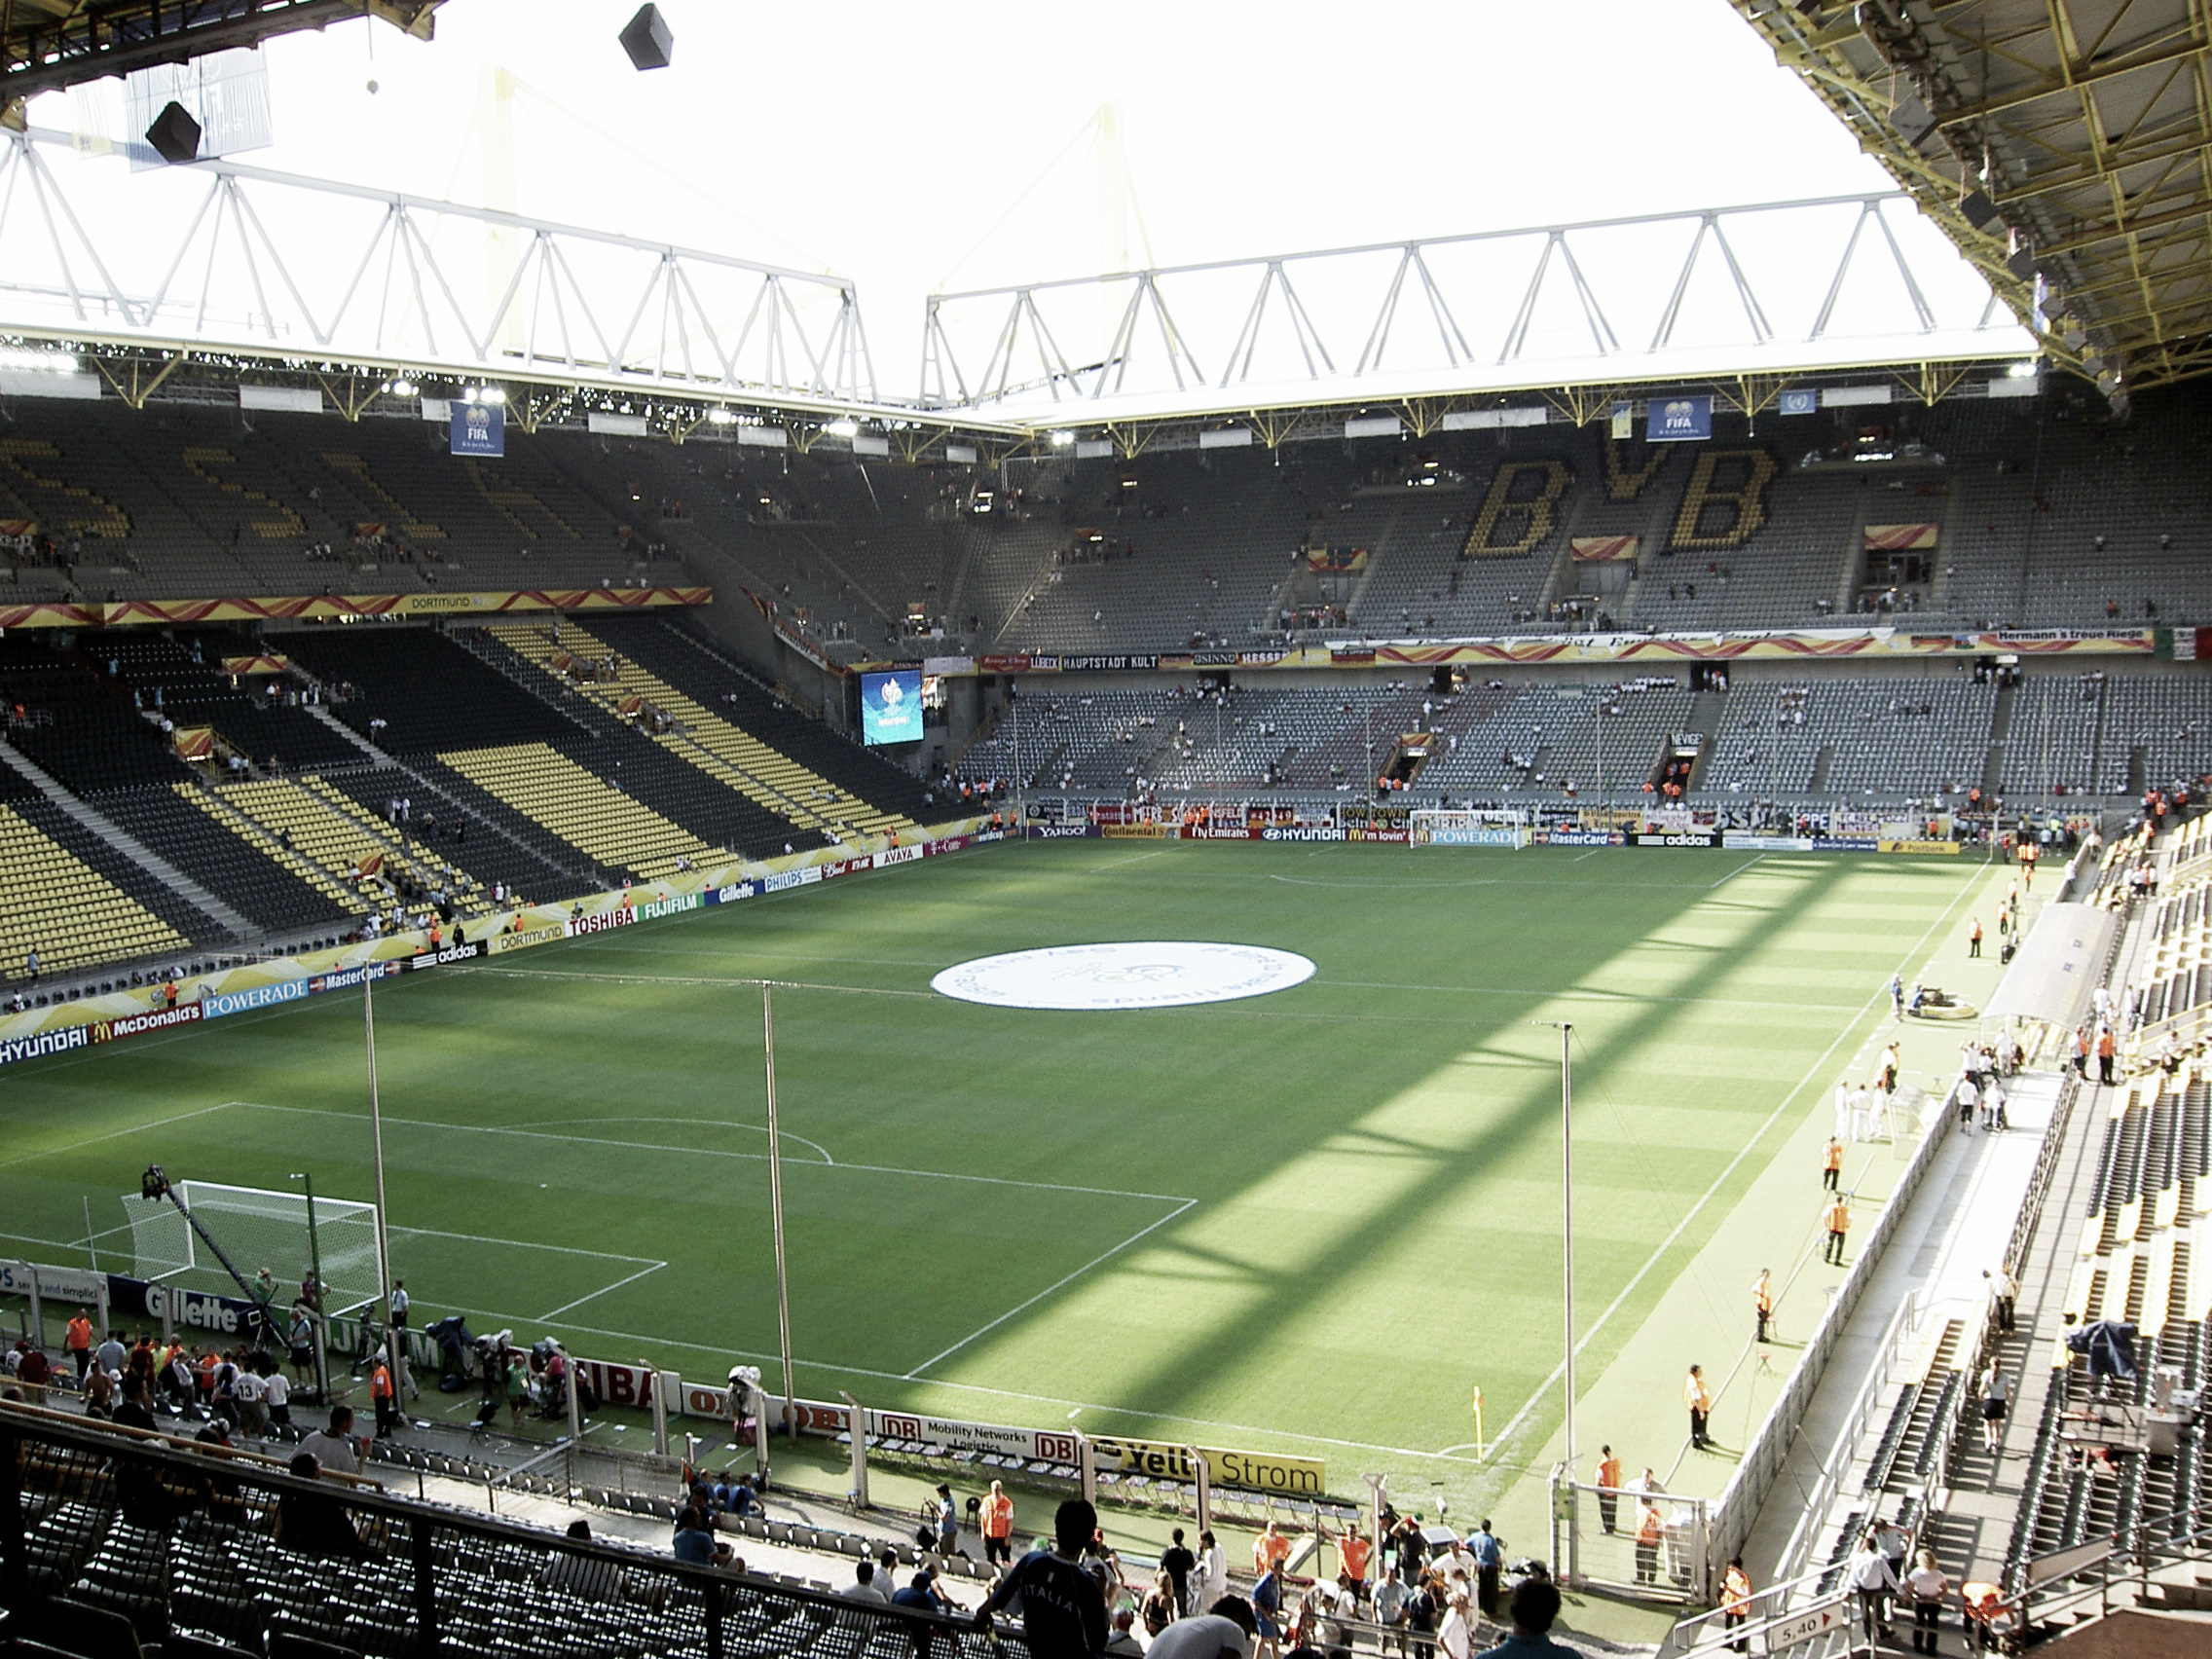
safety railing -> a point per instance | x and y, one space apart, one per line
232 1549
1768 1453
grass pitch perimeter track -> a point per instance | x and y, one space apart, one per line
1310 1222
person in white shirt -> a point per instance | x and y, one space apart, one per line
1927 1587
863 1587
333 1449
1859 1100
249 1394
1224 1633
277 1392
1873 1582
1211 1578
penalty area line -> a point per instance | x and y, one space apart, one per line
604 1290
1059 1283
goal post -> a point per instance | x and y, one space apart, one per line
258 1229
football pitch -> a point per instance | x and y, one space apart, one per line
1310 1222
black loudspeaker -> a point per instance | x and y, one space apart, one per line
646 39
2021 263
175 135
1912 120
1980 211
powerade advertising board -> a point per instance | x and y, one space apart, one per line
891 707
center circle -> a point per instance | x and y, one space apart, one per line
1147 973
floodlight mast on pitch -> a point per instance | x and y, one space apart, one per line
1565 1029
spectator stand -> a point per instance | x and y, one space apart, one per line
187 1546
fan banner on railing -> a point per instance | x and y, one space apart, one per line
368 528
1899 538
1604 550
256 664
368 866
17 532
194 743
629 705
1336 558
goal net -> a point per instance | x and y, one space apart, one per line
257 1229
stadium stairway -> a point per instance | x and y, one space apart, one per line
348 846
703 737
344 894
107 831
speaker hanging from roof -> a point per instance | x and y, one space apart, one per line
175 135
648 40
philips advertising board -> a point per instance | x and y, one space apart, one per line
891 707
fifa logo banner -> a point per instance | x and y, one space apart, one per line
1679 420
479 430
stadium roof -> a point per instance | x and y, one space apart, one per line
46 45
2068 142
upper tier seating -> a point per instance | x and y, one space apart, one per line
82 731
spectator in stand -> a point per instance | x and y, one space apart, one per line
1179 1563
1873 1582
1063 1614
1224 1631
334 1448
1927 1587
864 1588
1535 1610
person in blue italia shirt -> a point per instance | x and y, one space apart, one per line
1063 1613
1535 1605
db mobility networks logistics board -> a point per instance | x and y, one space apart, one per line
891 707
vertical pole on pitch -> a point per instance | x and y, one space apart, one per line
91 1248
776 1212
1567 1212
376 1140
314 1314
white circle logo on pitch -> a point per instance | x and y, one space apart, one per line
1177 973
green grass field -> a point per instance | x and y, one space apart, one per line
1310 1222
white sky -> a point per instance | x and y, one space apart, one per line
884 140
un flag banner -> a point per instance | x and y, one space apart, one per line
479 428
1797 403
1679 420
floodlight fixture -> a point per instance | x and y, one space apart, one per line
39 362
1062 440
843 428
720 415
